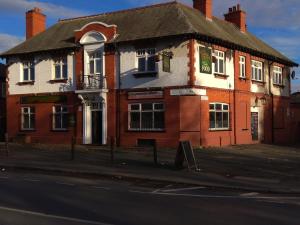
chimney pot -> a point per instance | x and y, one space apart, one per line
237 17
35 22
238 7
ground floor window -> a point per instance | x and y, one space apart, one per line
28 118
60 117
146 116
218 116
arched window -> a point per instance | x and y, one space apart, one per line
92 37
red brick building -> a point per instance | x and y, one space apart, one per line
2 102
166 72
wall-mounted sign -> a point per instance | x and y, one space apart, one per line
205 60
145 95
188 91
44 99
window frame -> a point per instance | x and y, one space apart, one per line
61 62
147 53
30 67
255 71
30 112
61 113
92 58
277 75
217 62
242 63
222 111
141 111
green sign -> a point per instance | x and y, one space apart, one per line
205 60
44 99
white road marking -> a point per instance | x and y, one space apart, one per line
249 194
158 190
63 183
183 189
52 216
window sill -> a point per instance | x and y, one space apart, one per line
221 76
145 74
262 83
25 83
58 81
221 129
279 85
243 78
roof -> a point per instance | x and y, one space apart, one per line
156 21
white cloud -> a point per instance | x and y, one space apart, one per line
8 41
51 10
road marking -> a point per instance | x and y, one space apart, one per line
52 216
158 190
63 183
249 194
183 189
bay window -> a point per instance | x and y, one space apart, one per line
218 116
28 118
257 71
146 60
219 62
146 117
60 117
277 75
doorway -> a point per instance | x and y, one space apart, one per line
97 127
254 126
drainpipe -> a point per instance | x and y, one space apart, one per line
272 103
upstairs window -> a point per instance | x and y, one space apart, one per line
61 68
28 118
277 75
219 62
60 117
257 71
146 117
218 116
95 63
146 60
242 67
28 72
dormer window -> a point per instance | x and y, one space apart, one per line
28 72
61 68
146 60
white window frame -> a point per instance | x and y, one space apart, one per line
220 60
61 62
257 72
140 111
30 112
222 110
242 67
145 53
92 58
61 113
30 67
277 75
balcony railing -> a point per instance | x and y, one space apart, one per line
90 82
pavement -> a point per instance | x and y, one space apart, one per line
257 168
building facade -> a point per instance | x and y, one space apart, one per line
177 74
2 102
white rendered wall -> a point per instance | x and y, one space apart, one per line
177 76
210 80
44 73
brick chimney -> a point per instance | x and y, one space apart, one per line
35 22
204 6
237 16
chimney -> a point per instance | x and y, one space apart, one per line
204 6
35 22
237 16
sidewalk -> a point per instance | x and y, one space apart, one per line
259 168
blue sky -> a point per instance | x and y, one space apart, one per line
275 21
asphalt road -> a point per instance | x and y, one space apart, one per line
33 199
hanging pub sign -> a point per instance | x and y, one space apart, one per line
205 60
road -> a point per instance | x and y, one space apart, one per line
36 199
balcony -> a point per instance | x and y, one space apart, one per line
92 82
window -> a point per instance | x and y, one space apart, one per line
218 116
220 62
61 68
28 72
28 118
242 66
60 117
146 60
95 63
257 70
277 75
146 116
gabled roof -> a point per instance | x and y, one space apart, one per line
156 21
